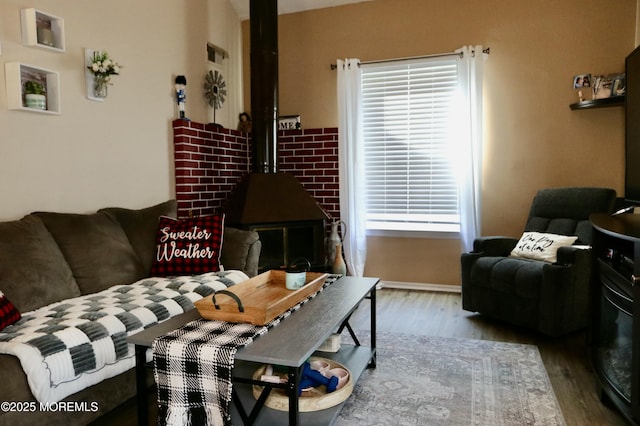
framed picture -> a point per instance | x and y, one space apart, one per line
581 80
602 86
619 86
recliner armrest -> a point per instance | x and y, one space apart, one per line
494 246
569 255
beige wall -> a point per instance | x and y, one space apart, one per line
637 22
533 139
117 152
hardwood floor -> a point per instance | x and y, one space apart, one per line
441 314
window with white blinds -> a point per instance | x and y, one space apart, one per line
407 111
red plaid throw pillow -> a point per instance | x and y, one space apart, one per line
189 246
8 312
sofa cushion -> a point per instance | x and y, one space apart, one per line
509 275
8 312
189 246
33 271
96 248
141 227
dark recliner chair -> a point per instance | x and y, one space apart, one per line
552 298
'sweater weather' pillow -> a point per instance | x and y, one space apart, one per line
8 312
188 246
541 246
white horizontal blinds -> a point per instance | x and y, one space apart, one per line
407 116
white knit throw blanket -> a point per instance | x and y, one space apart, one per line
70 345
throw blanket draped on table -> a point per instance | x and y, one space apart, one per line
193 366
70 345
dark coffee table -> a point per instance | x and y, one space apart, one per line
288 344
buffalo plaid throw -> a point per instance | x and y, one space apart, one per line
193 366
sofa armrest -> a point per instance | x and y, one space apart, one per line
241 250
253 258
494 246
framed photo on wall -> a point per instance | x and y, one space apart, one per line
581 80
619 87
603 86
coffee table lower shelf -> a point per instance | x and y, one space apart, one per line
355 358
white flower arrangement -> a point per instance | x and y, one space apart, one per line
102 66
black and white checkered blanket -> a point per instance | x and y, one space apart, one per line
70 345
193 367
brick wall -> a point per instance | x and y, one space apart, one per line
210 161
311 156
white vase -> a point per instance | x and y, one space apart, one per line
335 238
32 100
339 267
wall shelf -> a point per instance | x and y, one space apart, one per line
599 103
43 30
17 74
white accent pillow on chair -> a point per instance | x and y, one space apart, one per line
541 246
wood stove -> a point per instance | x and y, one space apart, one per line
290 222
284 243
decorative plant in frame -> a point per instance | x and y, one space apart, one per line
215 90
35 95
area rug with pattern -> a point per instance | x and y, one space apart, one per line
426 380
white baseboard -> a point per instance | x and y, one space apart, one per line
422 286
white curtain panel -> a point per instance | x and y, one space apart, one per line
351 165
470 143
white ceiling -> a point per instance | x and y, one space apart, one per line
291 6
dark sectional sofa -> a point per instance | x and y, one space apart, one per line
51 257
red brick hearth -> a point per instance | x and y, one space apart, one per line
210 160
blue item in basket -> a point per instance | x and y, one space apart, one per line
313 378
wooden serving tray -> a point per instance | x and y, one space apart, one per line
262 298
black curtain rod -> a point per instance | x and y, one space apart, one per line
438 55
